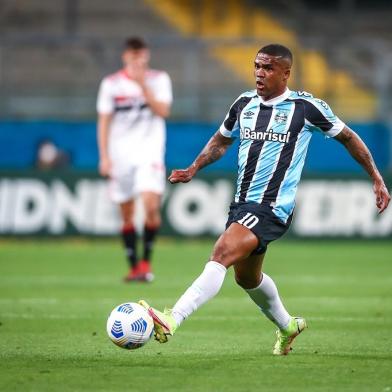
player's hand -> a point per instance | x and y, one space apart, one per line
182 175
382 195
139 75
105 166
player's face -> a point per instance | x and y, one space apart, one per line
271 75
136 58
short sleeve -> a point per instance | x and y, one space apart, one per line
163 88
319 114
230 125
105 102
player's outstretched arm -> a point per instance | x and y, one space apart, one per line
212 151
358 150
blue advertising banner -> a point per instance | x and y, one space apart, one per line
19 142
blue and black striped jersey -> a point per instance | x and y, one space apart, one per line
274 139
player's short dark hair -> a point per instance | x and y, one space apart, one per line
278 51
135 43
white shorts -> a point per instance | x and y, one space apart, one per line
127 183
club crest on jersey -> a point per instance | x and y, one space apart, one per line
280 117
269 135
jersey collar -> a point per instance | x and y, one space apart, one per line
276 100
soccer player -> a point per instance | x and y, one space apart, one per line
132 105
275 126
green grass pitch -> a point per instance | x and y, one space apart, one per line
55 297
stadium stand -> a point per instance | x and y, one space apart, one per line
314 71
66 60
52 56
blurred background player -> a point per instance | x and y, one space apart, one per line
132 105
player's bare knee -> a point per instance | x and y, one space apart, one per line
153 218
222 253
127 220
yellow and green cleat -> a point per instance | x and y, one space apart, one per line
286 336
164 323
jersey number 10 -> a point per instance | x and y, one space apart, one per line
249 220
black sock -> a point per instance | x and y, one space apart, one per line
129 242
148 241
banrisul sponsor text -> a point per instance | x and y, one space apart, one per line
269 135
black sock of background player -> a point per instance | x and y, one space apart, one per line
129 242
148 241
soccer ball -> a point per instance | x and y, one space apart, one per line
129 326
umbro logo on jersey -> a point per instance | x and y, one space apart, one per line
269 135
248 113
